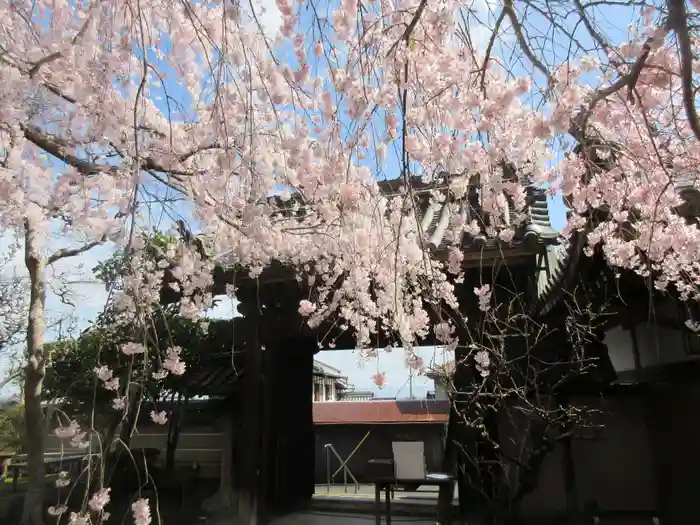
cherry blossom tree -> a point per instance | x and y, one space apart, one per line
13 309
513 394
118 112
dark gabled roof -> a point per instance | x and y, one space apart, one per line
556 270
560 263
436 221
213 379
435 215
355 396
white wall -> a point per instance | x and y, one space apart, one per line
203 446
657 346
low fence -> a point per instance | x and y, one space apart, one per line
204 446
201 446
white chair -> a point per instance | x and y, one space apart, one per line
409 462
409 459
411 473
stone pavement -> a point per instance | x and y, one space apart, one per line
319 518
325 518
339 507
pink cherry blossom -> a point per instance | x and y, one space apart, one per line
380 379
484 295
57 510
99 499
67 432
159 375
112 384
142 512
63 479
173 363
104 373
80 440
133 348
159 418
443 332
483 362
306 308
78 519
119 403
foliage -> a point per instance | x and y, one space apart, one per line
72 375
12 428
111 271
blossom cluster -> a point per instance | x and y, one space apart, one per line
78 438
280 148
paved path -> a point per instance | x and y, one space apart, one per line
338 507
321 518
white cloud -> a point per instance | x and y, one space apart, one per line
480 17
268 15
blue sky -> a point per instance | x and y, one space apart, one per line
89 295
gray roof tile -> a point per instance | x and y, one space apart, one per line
435 218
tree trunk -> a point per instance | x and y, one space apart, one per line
35 370
175 424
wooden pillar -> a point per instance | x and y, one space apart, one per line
461 448
569 468
249 453
449 465
290 443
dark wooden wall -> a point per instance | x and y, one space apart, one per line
289 433
377 445
675 434
273 464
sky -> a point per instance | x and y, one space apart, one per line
89 295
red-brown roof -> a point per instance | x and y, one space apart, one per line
387 412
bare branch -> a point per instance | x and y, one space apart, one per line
406 36
72 252
678 22
509 10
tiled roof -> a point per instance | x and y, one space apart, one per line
436 217
436 222
560 263
323 369
212 379
378 412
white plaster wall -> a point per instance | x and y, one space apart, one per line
619 345
657 346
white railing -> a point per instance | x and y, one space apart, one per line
343 465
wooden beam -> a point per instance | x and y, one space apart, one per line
278 273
